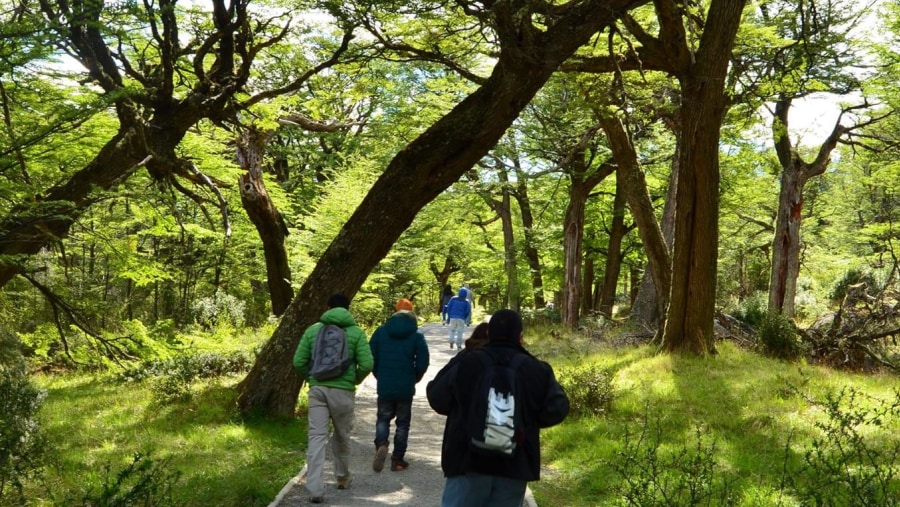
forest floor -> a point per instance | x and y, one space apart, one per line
423 482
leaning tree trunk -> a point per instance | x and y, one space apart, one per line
156 103
617 233
58 208
268 221
701 74
418 174
634 184
531 251
649 308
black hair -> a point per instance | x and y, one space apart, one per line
339 300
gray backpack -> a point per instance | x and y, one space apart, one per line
330 357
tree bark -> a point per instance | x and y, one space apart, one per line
580 187
265 216
573 232
531 251
631 178
420 172
588 294
504 209
795 173
648 309
613 267
701 74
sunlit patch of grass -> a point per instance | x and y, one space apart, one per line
748 406
220 459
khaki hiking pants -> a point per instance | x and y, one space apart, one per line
328 404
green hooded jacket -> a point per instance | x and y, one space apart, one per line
361 362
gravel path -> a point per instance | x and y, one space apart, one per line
422 483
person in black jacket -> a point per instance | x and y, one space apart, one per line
472 479
446 296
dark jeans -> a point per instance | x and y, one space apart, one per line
387 410
474 490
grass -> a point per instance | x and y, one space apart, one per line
94 424
740 407
202 450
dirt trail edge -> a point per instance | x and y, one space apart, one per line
420 485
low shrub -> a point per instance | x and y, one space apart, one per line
778 337
851 278
172 379
752 310
590 389
845 465
143 482
652 475
218 309
541 316
22 444
191 367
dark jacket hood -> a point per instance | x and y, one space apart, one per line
401 325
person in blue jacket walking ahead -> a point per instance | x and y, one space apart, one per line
458 313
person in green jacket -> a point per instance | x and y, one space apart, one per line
332 400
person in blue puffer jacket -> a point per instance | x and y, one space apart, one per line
401 359
458 313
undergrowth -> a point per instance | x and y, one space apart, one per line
737 429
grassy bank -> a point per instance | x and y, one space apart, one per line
165 433
734 429
95 428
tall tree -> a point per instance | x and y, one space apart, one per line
817 55
528 226
265 216
503 208
630 176
160 80
701 75
533 42
583 177
617 231
695 47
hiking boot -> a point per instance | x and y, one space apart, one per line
398 465
316 499
380 455
451 345
344 482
